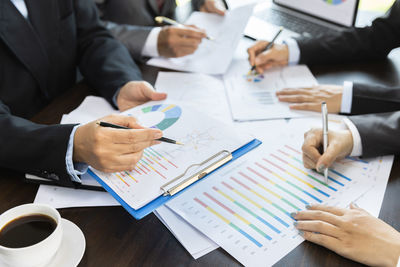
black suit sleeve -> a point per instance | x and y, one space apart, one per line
33 148
104 62
379 133
357 44
374 99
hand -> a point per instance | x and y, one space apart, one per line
113 150
352 233
176 41
277 56
210 6
340 145
311 98
135 93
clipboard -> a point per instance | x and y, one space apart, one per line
203 173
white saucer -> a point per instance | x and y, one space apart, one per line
72 247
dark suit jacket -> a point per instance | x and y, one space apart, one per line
357 44
379 132
38 62
130 21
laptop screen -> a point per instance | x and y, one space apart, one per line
341 12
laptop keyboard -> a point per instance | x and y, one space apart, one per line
294 23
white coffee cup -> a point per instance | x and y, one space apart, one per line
38 254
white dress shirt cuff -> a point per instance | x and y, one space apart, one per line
150 46
357 145
294 51
74 169
347 98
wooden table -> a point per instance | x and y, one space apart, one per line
114 238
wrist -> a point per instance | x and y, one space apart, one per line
78 148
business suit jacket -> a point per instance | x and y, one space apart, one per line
130 21
379 132
357 44
38 61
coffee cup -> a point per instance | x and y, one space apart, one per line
37 254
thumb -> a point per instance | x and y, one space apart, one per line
149 93
122 120
263 58
327 159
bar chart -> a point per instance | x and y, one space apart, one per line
247 208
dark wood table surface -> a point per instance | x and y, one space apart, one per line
114 238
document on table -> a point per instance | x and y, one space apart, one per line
252 96
204 92
203 137
212 56
245 207
196 243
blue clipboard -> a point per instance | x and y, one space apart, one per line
159 201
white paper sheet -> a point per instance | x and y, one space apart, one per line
204 92
196 243
212 56
245 207
252 96
61 197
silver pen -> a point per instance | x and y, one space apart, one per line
324 110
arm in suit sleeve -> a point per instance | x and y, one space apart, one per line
379 133
357 44
104 62
374 99
34 148
132 36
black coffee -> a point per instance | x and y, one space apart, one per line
27 230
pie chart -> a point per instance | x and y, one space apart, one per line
334 2
159 116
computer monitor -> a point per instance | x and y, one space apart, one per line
341 12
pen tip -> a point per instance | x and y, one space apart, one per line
179 143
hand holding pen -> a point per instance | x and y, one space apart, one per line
264 55
113 150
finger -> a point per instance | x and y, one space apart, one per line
306 106
334 210
122 149
185 42
149 93
319 227
329 157
322 240
296 98
134 136
308 163
122 120
264 58
312 142
129 161
254 50
294 91
191 32
317 215
354 206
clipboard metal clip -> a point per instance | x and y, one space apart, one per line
223 157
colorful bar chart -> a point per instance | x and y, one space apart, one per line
247 209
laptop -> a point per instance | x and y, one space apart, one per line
311 17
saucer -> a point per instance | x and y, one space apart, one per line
72 246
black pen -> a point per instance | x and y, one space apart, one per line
269 46
162 139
